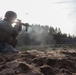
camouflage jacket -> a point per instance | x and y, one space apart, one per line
7 31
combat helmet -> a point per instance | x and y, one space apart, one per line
10 14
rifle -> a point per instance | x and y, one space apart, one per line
24 24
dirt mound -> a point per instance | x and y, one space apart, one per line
53 62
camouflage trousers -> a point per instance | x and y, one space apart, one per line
8 47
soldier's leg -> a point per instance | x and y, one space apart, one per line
14 42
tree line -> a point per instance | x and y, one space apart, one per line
44 35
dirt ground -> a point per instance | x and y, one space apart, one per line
35 62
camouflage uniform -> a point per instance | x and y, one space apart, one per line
8 33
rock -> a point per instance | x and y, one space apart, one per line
34 72
46 70
2 59
12 64
22 68
39 61
68 65
51 62
7 71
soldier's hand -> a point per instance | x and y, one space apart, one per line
18 22
18 25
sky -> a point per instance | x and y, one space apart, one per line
55 13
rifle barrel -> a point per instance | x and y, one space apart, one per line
25 24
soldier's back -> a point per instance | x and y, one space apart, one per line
4 31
